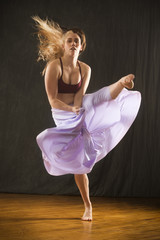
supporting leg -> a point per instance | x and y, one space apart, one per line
83 186
117 87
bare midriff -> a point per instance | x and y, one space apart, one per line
67 98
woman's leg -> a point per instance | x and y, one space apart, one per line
117 87
107 93
83 186
101 95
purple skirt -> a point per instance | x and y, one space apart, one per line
79 141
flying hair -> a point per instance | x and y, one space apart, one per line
51 39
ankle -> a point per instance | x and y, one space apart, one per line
88 205
121 83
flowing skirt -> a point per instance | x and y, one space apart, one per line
79 141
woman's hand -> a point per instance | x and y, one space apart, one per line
76 109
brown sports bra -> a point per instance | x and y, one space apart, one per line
68 88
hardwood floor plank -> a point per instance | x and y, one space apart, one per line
50 217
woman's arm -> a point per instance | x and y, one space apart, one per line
86 78
51 86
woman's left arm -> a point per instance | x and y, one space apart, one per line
85 82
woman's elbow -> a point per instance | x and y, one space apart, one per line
52 101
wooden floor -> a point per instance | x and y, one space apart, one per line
37 217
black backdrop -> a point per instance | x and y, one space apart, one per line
122 37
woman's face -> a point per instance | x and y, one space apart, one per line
72 44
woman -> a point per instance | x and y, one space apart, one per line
88 125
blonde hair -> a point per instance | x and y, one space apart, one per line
51 39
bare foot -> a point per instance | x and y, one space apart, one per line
87 216
127 81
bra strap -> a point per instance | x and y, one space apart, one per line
80 69
61 65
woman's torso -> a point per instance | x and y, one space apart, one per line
69 77
67 98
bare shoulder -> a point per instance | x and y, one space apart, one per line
85 67
54 66
52 73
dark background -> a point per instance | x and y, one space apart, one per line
122 37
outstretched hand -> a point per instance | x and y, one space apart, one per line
76 109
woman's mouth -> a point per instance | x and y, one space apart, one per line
73 49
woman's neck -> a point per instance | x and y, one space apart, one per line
70 61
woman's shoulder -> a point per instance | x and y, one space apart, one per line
54 63
53 66
85 67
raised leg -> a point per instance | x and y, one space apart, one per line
117 87
83 186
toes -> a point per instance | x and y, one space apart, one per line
130 78
132 75
86 219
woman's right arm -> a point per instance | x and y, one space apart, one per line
51 86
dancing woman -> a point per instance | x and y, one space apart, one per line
88 126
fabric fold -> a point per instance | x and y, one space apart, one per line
78 142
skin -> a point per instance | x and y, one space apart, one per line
71 75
